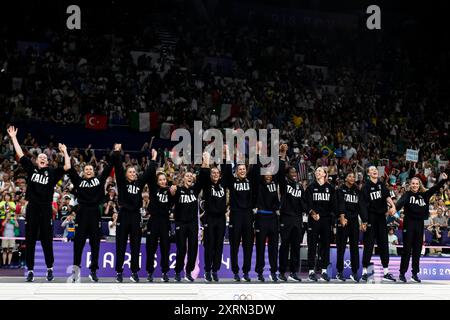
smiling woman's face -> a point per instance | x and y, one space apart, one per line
42 161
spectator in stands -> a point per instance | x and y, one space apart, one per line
112 225
440 220
64 208
393 242
111 205
68 224
7 205
10 227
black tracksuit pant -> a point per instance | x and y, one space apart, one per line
88 226
158 228
214 233
128 225
319 233
266 228
240 228
186 236
291 235
412 244
351 233
376 230
39 226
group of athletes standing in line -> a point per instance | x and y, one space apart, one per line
262 209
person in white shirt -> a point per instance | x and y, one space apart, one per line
112 225
393 241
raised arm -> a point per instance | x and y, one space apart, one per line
63 149
12 132
117 163
149 174
105 173
430 192
280 176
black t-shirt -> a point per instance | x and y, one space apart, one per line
130 192
321 199
40 182
293 201
186 203
417 205
213 194
374 197
349 202
90 192
161 200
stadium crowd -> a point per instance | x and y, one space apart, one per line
336 104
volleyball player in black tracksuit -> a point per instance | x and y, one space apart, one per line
321 205
186 225
41 181
240 225
416 204
349 207
266 223
158 225
215 220
375 197
291 218
129 219
90 191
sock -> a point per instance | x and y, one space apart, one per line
311 271
50 269
324 270
386 271
364 271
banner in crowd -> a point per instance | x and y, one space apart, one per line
228 110
430 268
96 121
412 155
289 17
144 121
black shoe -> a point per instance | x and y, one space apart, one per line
119 277
260 277
402 278
294 277
246 277
365 277
208 277
30 276
354 277
165 277
177 277
273 277
340 277
134 277
236 277
312 277
215 277
50 276
389 277
93 276
150 277
188 277
282 277
325 277
415 278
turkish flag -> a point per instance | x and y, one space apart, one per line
96 121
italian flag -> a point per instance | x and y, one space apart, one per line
144 121
228 111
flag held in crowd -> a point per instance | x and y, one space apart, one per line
96 121
144 121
